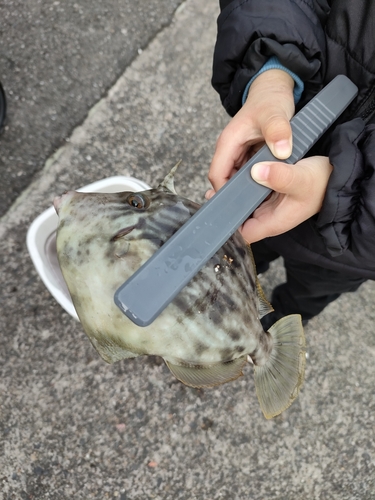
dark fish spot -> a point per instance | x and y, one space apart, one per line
200 347
110 257
189 313
215 316
234 335
157 240
165 229
213 295
87 251
202 306
183 305
240 348
225 305
88 240
240 251
229 303
235 264
226 354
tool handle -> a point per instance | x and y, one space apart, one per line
155 284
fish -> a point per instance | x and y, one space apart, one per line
210 331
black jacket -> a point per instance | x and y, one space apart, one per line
317 40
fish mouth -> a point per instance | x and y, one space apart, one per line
57 203
58 200
123 232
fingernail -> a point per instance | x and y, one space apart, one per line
283 149
209 194
260 172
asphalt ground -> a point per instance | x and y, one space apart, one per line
57 59
74 427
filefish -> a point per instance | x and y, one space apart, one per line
211 329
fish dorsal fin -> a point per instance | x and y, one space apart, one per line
202 376
168 182
279 380
264 307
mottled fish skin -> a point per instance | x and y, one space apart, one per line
102 239
207 332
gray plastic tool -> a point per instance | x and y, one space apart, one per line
155 284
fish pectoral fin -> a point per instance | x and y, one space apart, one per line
208 376
121 247
279 380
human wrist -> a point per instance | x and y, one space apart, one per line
274 64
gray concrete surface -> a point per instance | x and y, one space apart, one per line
74 427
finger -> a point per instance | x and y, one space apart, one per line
273 217
255 230
271 96
281 177
277 133
221 167
229 154
209 194
234 147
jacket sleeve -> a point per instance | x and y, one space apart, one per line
347 218
252 31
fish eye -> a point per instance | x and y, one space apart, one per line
138 201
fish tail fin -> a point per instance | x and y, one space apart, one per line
279 380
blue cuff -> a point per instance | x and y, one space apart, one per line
274 63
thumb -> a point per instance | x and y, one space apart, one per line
277 133
278 176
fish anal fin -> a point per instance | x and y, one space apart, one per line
279 380
210 376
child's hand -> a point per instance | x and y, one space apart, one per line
264 117
298 189
298 195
